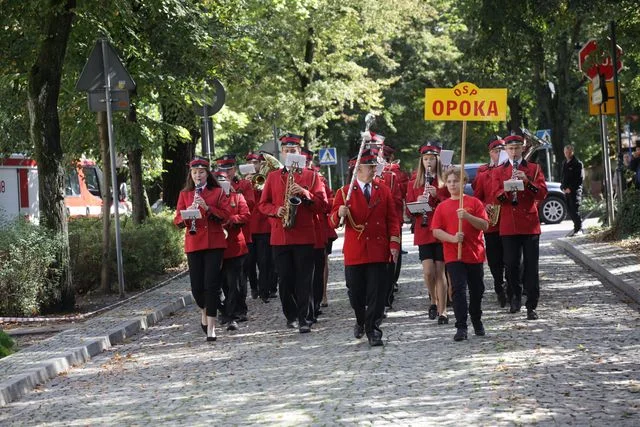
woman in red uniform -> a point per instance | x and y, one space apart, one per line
466 271
428 186
204 240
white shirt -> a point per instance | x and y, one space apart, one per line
362 184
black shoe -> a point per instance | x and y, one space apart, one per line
211 339
531 314
324 304
403 252
395 287
375 338
478 328
254 293
443 320
273 294
433 311
502 299
242 318
304 329
515 305
265 300
358 331
318 313
461 335
232 326
292 324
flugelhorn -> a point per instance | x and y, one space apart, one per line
270 164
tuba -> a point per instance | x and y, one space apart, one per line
270 164
291 202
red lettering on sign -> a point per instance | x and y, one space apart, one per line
465 108
451 106
478 108
438 107
493 109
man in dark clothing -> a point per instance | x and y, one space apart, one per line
634 165
572 186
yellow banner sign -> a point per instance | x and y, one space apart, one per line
465 102
609 106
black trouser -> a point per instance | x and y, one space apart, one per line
495 260
367 289
526 246
235 288
465 276
205 276
295 274
266 273
249 267
319 258
573 207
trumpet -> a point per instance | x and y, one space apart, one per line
270 164
291 202
428 180
514 193
193 230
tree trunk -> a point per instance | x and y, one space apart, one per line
176 153
515 113
103 136
44 129
139 202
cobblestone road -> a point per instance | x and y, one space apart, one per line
579 364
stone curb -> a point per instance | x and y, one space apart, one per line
592 263
14 388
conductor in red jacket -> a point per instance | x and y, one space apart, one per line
204 239
293 238
371 241
520 224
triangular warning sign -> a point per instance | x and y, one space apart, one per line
328 157
92 77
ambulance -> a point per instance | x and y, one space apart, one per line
19 189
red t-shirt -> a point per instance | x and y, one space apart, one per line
446 218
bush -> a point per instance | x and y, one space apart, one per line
28 279
627 221
6 344
147 250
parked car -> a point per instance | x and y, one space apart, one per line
553 209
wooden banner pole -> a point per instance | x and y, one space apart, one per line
462 174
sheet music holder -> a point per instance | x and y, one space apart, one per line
513 185
418 207
191 214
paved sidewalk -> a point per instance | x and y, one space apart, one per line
23 371
617 266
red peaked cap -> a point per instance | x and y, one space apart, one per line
199 163
307 153
431 147
514 139
369 157
226 162
252 156
495 142
290 139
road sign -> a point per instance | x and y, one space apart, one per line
328 156
218 97
544 134
465 102
92 78
608 105
591 57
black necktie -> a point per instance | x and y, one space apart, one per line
367 193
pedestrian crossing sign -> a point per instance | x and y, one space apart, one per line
328 156
544 134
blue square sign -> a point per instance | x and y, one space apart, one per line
328 156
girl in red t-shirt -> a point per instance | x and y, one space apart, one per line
468 270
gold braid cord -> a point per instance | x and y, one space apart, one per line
357 227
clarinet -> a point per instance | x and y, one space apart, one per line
514 193
193 230
428 180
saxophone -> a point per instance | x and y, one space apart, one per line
428 180
291 202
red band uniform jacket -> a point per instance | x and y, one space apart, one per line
373 229
260 223
245 188
391 180
424 235
314 201
522 218
482 185
236 226
209 233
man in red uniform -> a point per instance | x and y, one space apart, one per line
520 224
293 247
482 190
371 241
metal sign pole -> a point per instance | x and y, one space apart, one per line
607 169
329 173
205 140
114 179
616 97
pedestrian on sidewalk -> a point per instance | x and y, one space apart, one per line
371 241
467 271
204 239
633 164
571 185
429 187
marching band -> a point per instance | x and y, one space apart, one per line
272 227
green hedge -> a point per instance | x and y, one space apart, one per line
147 250
627 221
6 344
27 280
